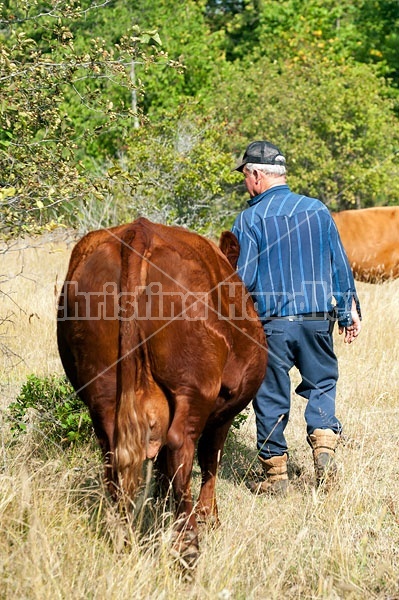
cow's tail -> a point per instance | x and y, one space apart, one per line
130 421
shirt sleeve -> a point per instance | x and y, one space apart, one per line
344 289
248 260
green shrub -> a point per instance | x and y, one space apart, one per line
240 419
49 407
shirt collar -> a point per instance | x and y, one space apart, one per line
267 193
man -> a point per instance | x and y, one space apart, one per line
295 267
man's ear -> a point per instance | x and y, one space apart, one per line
257 175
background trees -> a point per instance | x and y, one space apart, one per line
114 109
65 106
333 121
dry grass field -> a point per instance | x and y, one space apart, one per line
61 539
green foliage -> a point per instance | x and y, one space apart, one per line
60 108
190 44
377 23
50 408
365 30
240 419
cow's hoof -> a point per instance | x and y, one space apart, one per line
185 550
207 520
188 558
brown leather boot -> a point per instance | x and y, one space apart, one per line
324 443
276 482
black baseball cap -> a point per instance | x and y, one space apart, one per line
263 153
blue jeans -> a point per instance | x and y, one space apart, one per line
307 345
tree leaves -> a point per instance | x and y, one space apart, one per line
55 103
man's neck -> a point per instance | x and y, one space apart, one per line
270 181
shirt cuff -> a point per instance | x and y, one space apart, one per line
345 320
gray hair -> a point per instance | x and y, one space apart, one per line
267 169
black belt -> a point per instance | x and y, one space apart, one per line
317 316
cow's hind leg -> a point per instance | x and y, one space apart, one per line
210 449
188 422
104 434
162 481
102 412
185 530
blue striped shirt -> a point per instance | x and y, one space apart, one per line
291 257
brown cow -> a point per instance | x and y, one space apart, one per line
371 239
161 341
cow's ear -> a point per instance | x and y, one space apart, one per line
230 247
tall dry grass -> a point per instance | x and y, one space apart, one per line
60 537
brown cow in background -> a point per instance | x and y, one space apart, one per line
160 339
371 239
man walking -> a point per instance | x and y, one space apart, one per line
295 267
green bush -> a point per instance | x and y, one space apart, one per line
49 407
240 419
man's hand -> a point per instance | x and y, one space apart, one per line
352 331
